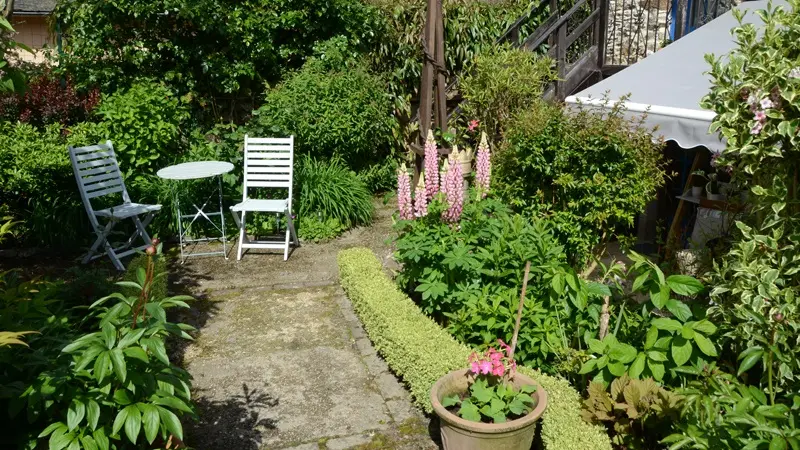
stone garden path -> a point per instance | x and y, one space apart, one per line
282 362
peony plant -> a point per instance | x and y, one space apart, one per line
491 397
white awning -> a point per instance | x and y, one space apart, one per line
669 84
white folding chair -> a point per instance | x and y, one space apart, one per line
268 163
97 173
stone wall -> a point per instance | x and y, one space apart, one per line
637 28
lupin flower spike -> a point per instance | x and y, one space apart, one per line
421 198
404 194
431 164
483 169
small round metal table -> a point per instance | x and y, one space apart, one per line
195 171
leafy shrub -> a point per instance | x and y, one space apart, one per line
721 412
501 83
179 42
37 185
664 348
48 100
590 175
329 190
421 352
749 399
467 276
633 411
144 122
331 114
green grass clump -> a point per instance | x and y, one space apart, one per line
328 190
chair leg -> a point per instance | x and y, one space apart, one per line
288 234
291 227
102 236
241 235
141 225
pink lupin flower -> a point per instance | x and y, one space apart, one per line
404 194
454 192
443 177
421 198
483 167
431 166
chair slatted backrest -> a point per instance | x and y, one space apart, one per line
268 163
97 174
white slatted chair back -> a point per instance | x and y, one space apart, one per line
97 174
268 163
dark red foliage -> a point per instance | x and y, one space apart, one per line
49 99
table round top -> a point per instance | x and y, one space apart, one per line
195 170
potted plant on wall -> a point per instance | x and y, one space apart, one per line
489 405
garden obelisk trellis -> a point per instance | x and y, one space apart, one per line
432 92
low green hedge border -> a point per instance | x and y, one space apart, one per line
420 351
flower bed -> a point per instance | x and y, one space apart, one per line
420 351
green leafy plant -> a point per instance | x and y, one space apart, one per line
491 398
37 186
120 385
671 346
720 412
178 43
470 29
502 82
317 230
637 412
467 276
591 175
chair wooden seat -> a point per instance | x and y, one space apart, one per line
126 210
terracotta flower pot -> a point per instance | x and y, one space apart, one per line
462 434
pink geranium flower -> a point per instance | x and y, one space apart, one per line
473 125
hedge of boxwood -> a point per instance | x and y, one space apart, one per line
420 351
